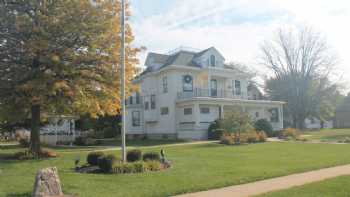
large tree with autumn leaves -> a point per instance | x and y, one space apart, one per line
61 57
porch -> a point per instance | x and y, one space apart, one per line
195 115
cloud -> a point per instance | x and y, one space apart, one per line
236 28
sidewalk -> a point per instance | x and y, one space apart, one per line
268 185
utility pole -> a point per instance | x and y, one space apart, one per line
122 62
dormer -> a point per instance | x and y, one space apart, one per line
210 57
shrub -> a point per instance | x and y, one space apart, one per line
151 156
264 125
48 153
92 157
251 136
215 130
227 139
262 136
105 163
152 165
134 155
290 133
79 141
136 167
109 132
24 142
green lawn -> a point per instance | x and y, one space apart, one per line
336 187
196 167
327 135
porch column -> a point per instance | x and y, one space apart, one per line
209 83
222 115
196 115
281 115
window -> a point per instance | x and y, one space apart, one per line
187 111
205 110
137 98
274 115
187 81
212 61
165 84
135 118
130 100
164 111
214 87
153 101
238 87
146 105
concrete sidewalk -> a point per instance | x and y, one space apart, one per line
268 185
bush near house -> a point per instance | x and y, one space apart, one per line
134 155
215 130
264 125
290 134
93 157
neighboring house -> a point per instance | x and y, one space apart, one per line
59 131
315 123
183 92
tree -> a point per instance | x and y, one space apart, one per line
61 57
302 63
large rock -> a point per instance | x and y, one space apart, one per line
47 183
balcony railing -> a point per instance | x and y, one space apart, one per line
199 92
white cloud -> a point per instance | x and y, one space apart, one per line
201 24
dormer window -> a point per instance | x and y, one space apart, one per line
212 61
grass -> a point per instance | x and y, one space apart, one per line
335 187
327 135
196 167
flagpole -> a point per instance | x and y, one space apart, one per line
122 59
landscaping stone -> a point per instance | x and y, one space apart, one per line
47 183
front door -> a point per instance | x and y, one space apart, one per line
214 88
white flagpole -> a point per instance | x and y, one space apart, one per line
122 59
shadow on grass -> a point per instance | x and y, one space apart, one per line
10 147
19 195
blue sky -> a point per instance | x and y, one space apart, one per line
237 27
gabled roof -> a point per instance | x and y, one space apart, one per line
156 61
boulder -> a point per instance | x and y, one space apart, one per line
47 183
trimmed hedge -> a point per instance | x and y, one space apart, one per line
134 155
92 157
135 167
105 163
151 156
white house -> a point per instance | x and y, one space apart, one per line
182 92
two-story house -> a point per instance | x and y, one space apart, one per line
181 93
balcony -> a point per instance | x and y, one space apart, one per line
206 93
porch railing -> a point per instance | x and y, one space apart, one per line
212 93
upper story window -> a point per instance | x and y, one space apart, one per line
146 105
164 111
165 84
212 61
187 82
137 98
238 89
187 111
136 119
153 101
130 100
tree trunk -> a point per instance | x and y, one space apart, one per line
35 129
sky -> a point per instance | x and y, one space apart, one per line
237 28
